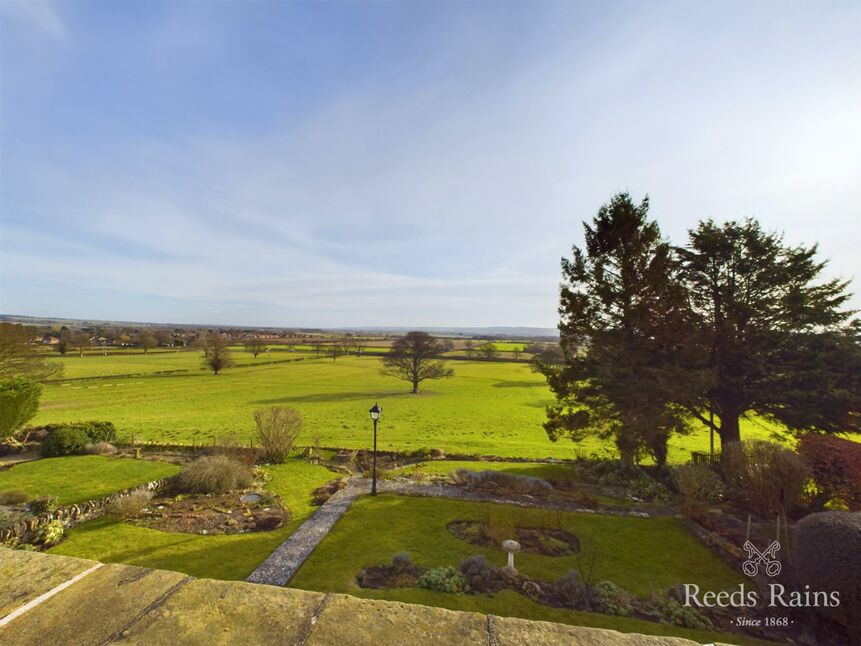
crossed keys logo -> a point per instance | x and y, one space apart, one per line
767 558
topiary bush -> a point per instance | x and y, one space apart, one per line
213 474
444 579
65 441
826 555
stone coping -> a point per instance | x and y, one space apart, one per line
48 599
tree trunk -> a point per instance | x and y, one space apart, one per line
415 386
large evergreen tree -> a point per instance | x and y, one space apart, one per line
772 335
621 306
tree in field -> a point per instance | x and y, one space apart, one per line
81 340
488 350
277 430
18 359
317 345
620 304
164 337
516 352
346 344
770 332
147 340
19 401
216 355
359 345
468 347
415 357
255 346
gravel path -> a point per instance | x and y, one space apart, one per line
285 561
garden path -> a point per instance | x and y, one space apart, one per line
286 560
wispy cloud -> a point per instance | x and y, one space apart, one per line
40 14
417 170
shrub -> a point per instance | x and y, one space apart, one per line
700 486
482 576
401 562
825 556
642 487
764 477
501 480
130 505
101 448
13 497
51 533
65 441
213 474
277 430
669 611
613 600
444 579
574 591
836 467
43 505
96 431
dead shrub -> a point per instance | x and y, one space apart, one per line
277 430
213 474
130 505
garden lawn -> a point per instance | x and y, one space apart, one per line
490 408
231 557
542 470
81 477
639 554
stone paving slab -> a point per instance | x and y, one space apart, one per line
126 604
26 575
94 609
226 612
363 622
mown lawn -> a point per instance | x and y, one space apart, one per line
640 554
491 408
231 557
82 477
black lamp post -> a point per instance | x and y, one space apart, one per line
375 415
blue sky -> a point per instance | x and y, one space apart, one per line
417 164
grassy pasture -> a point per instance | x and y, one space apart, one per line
81 477
639 554
231 557
492 408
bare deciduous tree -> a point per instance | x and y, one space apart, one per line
147 340
255 346
216 355
415 357
277 430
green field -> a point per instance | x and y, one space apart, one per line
637 553
491 408
220 557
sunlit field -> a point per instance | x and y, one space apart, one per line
491 408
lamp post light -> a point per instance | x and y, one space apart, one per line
375 412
